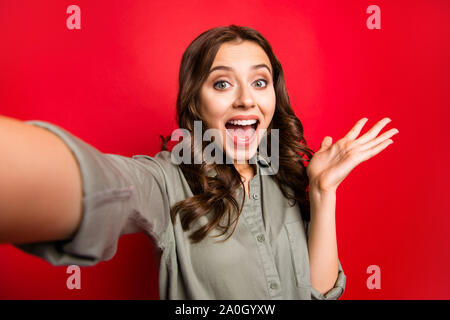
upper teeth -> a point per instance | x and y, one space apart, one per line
243 122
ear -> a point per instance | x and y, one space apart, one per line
326 143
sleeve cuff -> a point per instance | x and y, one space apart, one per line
334 293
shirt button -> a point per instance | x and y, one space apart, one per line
255 196
261 238
273 285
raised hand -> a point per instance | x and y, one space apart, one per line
333 162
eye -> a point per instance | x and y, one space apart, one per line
259 81
221 82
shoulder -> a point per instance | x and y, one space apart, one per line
161 162
162 159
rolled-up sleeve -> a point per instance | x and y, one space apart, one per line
121 195
339 286
335 292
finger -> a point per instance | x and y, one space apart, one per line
378 140
375 150
354 132
326 143
373 132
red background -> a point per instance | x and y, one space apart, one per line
114 84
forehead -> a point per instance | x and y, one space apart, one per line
240 54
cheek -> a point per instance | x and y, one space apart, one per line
206 109
211 116
269 108
214 110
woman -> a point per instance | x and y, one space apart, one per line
226 229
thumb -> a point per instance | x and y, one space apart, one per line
326 142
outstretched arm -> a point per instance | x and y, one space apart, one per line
326 170
40 183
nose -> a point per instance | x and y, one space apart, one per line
244 98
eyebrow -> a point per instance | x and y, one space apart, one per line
257 66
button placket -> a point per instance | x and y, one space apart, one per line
254 220
255 187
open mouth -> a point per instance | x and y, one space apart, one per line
242 132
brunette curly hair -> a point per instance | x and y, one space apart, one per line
215 195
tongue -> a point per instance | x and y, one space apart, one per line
240 132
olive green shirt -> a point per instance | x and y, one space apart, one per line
265 258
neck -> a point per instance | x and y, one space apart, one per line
244 169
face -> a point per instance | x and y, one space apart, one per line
238 97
